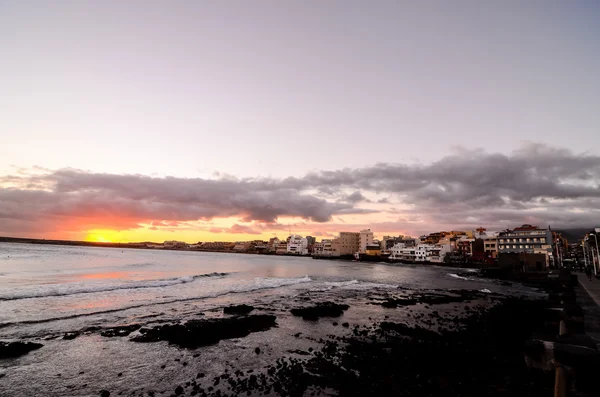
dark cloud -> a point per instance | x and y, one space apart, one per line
126 201
536 184
356 197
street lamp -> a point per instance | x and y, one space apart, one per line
597 250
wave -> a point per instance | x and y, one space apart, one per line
90 289
272 282
352 284
362 286
457 276
141 264
259 284
341 283
485 291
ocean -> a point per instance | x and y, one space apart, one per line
47 292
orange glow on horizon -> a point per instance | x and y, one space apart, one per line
102 236
219 230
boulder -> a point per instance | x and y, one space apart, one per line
325 309
196 333
16 349
238 309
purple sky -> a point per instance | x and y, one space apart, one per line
278 89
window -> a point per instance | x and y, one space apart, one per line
542 240
528 240
527 246
520 240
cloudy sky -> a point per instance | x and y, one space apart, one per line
197 120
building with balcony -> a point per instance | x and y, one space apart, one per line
297 245
365 239
527 238
347 243
490 246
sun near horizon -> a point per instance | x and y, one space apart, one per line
99 237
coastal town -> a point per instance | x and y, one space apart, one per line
527 247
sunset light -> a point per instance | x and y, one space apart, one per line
101 236
290 198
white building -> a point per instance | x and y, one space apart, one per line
423 252
396 251
297 245
324 248
433 253
437 254
366 238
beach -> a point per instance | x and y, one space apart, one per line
137 322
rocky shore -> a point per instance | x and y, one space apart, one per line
420 343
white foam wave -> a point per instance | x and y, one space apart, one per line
366 286
340 283
272 282
485 291
259 284
457 276
353 285
85 288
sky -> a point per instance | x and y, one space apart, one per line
236 120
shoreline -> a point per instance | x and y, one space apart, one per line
347 258
384 343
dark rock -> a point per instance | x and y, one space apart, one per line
92 329
196 333
345 325
449 363
122 330
70 335
300 352
178 390
104 393
238 309
257 350
120 374
325 309
16 349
